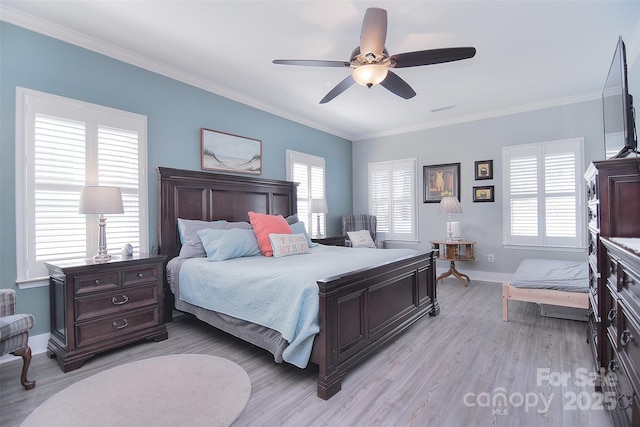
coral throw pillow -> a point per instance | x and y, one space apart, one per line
263 225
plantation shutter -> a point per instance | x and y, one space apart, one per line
543 202
392 198
309 172
63 145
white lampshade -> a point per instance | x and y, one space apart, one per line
319 206
449 205
369 75
96 199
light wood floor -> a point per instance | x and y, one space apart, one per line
450 370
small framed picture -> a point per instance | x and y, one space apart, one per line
484 169
483 194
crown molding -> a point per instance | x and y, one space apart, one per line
558 102
64 34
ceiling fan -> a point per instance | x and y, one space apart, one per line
372 64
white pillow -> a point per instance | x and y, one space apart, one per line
288 244
361 239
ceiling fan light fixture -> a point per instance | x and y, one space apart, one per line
369 74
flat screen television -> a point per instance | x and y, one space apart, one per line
617 107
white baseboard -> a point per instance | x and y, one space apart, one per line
38 344
484 276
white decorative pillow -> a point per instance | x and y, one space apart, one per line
288 244
361 239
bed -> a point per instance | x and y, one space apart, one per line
551 282
357 311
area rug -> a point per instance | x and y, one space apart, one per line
175 390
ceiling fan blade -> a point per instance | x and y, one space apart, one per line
398 86
374 31
341 87
432 56
311 63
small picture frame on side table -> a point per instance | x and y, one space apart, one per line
484 169
483 194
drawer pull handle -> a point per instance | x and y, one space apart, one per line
612 314
115 325
114 301
622 405
613 366
96 282
140 275
626 337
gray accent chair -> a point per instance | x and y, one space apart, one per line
357 222
14 333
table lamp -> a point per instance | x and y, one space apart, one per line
449 205
100 200
318 206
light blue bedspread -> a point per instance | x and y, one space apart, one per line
279 293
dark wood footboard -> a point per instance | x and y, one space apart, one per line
363 310
359 311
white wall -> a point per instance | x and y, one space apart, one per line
469 142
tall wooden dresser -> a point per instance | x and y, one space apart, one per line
613 194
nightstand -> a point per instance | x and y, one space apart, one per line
330 240
101 306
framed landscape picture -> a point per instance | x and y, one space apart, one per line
440 181
226 152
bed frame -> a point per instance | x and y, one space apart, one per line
359 312
541 296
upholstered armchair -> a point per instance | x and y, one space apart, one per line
355 222
14 333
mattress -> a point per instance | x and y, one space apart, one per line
568 276
278 294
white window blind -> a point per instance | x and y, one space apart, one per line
61 146
309 172
392 198
543 202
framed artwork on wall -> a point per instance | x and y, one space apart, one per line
483 194
484 169
221 151
440 181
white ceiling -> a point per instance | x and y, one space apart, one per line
530 54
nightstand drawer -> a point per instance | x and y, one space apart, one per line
102 304
139 275
96 282
114 327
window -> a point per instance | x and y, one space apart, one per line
62 145
543 201
309 172
392 198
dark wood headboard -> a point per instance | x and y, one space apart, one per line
213 196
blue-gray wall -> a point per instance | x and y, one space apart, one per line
175 113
